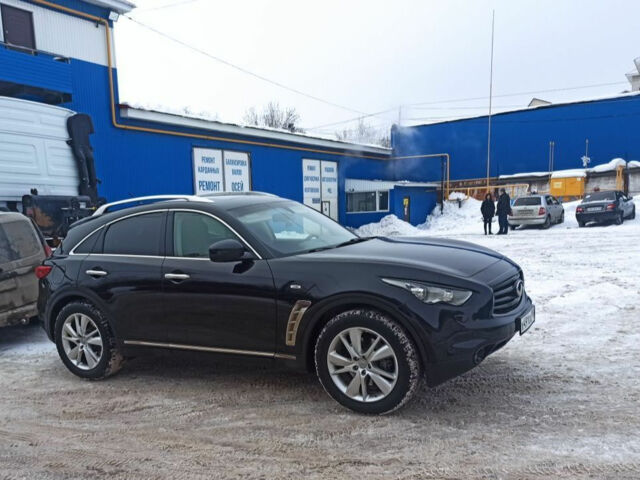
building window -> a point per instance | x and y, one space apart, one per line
360 202
17 27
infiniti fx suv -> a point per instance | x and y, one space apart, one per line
255 275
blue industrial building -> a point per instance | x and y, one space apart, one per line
520 139
61 52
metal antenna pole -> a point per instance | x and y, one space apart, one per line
493 18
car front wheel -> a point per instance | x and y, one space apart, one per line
367 362
85 342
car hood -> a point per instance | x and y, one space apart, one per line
450 257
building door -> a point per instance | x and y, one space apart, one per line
406 209
17 27
320 186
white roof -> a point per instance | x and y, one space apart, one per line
120 6
358 185
127 111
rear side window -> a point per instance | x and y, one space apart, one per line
527 201
193 234
138 235
18 240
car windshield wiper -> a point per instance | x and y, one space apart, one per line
343 244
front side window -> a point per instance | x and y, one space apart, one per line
287 228
194 233
137 235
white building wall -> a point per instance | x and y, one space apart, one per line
65 34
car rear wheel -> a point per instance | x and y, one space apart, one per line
547 222
581 224
620 219
561 218
85 342
367 362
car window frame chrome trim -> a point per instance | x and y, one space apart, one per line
167 210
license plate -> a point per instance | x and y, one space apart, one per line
593 209
527 320
526 212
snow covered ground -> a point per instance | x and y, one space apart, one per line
561 402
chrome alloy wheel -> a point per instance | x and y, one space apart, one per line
82 341
362 364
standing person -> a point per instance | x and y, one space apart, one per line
503 209
488 210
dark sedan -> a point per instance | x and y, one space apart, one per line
610 206
259 276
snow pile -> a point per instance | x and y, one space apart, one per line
526 174
457 196
609 166
633 164
575 172
463 218
389 226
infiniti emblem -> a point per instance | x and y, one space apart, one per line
519 287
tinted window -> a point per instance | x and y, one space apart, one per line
87 246
193 233
383 200
18 240
361 202
18 27
139 235
600 196
527 201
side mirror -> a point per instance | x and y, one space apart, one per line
229 250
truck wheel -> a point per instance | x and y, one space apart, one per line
85 342
367 362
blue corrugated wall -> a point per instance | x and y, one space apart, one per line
520 140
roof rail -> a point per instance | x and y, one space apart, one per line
149 199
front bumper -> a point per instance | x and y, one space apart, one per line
516 221
473 342
603 216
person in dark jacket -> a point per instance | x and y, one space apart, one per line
503 209
488 210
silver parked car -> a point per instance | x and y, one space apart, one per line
22 250
542 210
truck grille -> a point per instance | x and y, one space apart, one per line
507 295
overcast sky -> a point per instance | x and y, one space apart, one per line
369 56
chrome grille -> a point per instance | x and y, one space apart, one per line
506 295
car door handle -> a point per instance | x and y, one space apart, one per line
96 273
176 276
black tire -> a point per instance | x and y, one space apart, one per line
581 224
409 368
513 227
547 222
633 214
620 219
561 218
111 358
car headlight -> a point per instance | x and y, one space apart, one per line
430 293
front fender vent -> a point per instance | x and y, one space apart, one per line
297 312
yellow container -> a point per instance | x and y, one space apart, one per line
569 187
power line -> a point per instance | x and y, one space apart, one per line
520 93
167 5
374 114
242 69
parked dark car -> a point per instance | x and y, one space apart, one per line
256 275
22 250
609 206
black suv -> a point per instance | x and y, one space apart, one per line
609 206
257 275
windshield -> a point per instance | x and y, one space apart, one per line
288 228
528 201
600 197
